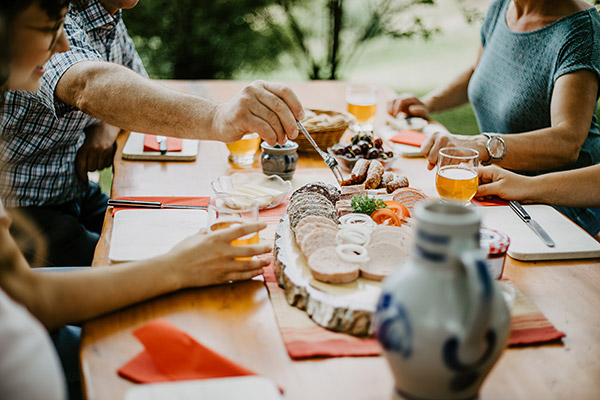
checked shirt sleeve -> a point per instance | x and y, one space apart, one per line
79 51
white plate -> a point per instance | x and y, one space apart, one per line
274 188
243 387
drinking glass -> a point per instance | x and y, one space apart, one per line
242 152
362 103
456 178
230 209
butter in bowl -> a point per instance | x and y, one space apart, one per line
268 191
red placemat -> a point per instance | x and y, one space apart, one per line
173 144
409 137
494 201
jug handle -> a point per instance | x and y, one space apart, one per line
478 340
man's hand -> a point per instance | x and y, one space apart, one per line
496 181
432 145
269 109
409 105
97 151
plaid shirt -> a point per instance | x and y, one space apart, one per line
40 134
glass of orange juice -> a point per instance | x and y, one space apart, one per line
362 103
242 152
456 177
231 209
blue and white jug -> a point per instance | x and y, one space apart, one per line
441 319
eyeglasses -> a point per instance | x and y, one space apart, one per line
54 31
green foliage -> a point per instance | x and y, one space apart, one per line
188 39
334 32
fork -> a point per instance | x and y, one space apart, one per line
328 158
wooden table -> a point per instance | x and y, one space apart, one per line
238 320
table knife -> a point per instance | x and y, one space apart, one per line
520 211
151 204
162 143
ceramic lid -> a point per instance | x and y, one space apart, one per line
288 147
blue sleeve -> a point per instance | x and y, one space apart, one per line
490 20
581 50
80 50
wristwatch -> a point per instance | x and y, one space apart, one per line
495 147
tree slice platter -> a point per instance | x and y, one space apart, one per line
339 307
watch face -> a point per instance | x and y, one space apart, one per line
496 147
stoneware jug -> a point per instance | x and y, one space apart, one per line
441 319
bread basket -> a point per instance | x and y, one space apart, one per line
325 126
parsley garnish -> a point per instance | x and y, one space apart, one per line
364 204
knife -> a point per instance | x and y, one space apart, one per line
162 143
520 211
151 204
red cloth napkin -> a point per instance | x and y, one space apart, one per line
150 143
409 137
192 201
494 201
173 355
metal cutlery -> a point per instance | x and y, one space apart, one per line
151 204
524 215
162 144
328 158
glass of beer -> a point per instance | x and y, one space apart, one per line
231 209
456 178
362 103
241 153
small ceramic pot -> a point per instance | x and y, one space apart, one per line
279 160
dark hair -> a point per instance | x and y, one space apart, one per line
53 8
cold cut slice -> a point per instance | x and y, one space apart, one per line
326 266
317 239
384 259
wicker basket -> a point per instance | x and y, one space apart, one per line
325 135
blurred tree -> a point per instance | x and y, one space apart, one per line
191 39
346 33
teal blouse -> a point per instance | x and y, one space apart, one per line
511 88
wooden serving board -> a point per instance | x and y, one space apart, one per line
140 234
571 242
341 307
134 150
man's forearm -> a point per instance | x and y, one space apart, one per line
118 96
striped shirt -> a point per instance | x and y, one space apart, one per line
40 134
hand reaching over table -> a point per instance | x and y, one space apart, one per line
432 145
210 258
409 105
269 109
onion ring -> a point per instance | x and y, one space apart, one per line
352 253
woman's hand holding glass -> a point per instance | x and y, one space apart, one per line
210 258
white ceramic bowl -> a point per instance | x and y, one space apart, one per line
269 191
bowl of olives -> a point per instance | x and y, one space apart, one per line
362 145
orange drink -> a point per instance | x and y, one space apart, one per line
227 210
456 177
248 239
455 183
242 152
362 102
